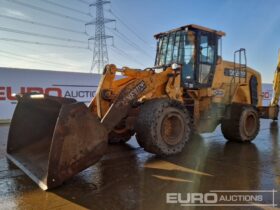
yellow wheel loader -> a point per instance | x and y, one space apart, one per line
190 89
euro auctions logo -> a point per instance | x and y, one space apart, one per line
7 93
224 198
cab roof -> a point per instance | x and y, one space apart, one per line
192 26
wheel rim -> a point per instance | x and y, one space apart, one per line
250 124
172 129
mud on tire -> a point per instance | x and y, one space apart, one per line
243 126
163 126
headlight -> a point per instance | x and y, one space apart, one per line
37 96
175 66
158 70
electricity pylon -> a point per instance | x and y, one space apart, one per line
100 51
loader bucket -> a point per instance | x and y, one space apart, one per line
51 139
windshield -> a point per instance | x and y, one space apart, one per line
176 47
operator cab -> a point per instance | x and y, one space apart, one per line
195 48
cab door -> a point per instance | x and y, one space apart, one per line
206 59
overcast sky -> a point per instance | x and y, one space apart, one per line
250 24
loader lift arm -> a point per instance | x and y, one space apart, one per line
114 98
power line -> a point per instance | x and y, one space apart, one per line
126 55
130 42
65 7
41 24
28 48
40 35
34 59
30 62
46 11
129 28
84 2
13 57
42 43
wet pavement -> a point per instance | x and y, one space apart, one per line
130 178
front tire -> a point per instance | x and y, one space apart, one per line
163 126
243 126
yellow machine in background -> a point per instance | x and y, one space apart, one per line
190 88
276 85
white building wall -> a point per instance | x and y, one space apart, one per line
81 86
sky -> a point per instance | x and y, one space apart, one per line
251 24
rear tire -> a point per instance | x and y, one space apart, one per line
243 126
163 126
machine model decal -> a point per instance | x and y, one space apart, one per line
132 94
234 73
218 92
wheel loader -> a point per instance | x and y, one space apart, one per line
190 89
